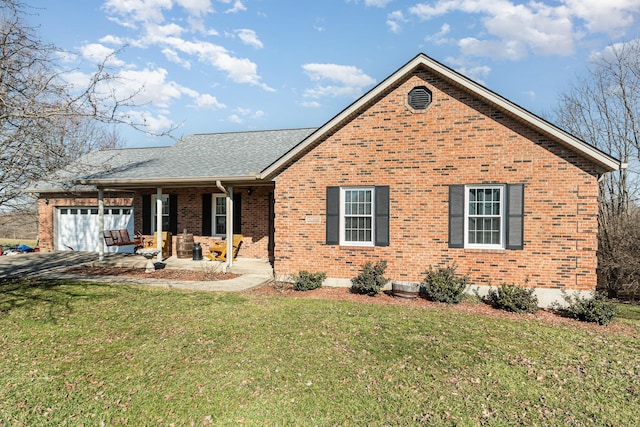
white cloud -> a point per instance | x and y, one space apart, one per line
513 30
249 37
206 101
395 20
110 39
150 86
604 16
238 6
154 123
196 7
311 104
234 118
99 53
173 56
350 80
139 10
439 37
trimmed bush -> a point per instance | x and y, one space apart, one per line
513 298
596 309
370 280
443 285
306 281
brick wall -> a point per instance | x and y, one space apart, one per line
457 140
254 216
254 206
48 202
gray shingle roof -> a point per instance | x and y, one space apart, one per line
206 156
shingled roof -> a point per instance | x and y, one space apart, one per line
199 158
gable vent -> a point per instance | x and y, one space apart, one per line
420 98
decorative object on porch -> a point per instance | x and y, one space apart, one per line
184 245
121 238
167 248
219 249
149 254
197 251
405 289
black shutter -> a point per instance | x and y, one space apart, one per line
146 214
237 213
206 214
515 216
173 214
382 215
456 216
333 215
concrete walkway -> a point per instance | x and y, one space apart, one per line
51 265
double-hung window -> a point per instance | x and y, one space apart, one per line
484 213
219 215
357 220
358 216
164 213
487 216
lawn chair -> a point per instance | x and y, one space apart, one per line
167 248
218 251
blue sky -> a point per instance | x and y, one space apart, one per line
235 65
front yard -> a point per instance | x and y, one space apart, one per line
91 354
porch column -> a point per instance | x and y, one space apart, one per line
229 226
101 224
159 222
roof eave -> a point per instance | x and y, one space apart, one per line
164 182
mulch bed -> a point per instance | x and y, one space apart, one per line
282 289
164 273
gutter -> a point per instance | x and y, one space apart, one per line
165 182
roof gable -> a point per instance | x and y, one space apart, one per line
603 160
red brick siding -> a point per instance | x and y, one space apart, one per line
458 140
255 221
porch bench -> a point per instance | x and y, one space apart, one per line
120 238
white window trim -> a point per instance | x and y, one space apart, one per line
154 199
214 216
345 242
502 244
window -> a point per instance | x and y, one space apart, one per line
486 216
357 216
164 213
356 223
219 215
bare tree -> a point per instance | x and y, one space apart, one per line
603 109
46 121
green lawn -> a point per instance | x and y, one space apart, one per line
87 354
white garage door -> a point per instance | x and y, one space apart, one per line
78 228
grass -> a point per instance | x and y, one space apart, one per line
14 242
89 354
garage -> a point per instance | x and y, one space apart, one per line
78 228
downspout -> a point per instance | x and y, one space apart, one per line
101 223
159 224
229 236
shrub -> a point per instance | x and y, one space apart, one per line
513 298
596 309
371 279
306 281
443 285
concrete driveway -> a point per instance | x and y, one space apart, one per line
30 264
252 273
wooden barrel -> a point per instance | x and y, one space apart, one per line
184 243
405 289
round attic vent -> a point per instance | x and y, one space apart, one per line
419 98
